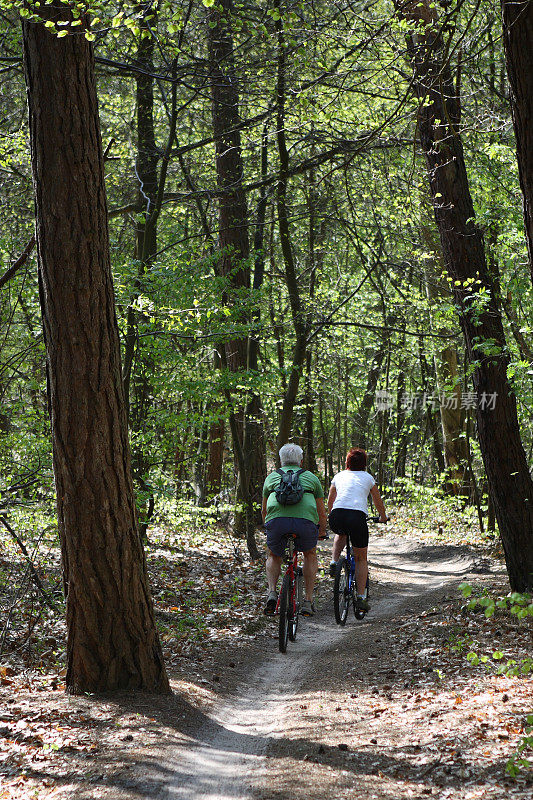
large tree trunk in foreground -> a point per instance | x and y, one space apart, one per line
517 18
504 458
112 639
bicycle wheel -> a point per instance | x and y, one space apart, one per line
341 591
284 614
295 602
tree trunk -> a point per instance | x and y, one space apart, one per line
517 17
362 416
240 354
316 257
308 444
217 430
452 415
137 387
503 455
200 463
216 456
300 329
232 209
146 175
432 425
112 641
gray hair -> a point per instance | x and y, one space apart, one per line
290 454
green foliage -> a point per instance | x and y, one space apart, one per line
519 605
519 763
369 262
431 510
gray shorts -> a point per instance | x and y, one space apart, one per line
278 528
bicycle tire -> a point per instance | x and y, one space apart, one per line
341 593
284 614
296 603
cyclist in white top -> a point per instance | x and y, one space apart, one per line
348 509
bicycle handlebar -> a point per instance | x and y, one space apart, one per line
377 519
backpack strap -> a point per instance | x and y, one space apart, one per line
275 488
295 474
311 491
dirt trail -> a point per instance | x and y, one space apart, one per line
285 711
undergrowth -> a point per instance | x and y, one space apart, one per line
518 606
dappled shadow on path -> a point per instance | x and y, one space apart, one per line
168 772
261 734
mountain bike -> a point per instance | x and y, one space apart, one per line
290 596
344 587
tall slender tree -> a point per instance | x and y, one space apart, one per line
112 639
517 17
299 352
234 263
475 296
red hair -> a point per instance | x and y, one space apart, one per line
356 459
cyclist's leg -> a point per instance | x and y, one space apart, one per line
310 569
359 540
276 545
306 539
339 543
273 569
361 569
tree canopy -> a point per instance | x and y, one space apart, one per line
281 249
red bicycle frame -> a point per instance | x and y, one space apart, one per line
291 559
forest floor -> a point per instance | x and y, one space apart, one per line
390 707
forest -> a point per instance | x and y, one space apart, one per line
229 225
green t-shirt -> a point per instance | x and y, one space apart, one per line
305 509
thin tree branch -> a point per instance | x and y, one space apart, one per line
34 574
21 260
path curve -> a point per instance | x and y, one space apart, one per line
221 760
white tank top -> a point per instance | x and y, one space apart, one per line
352 488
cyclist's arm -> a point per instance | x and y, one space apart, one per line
378 502
321 509
264 508
331 497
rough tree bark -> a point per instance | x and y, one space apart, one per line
233 234
112 639
517 17
462 243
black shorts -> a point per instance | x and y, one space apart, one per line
347 522
278 528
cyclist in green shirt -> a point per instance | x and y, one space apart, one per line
306 519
